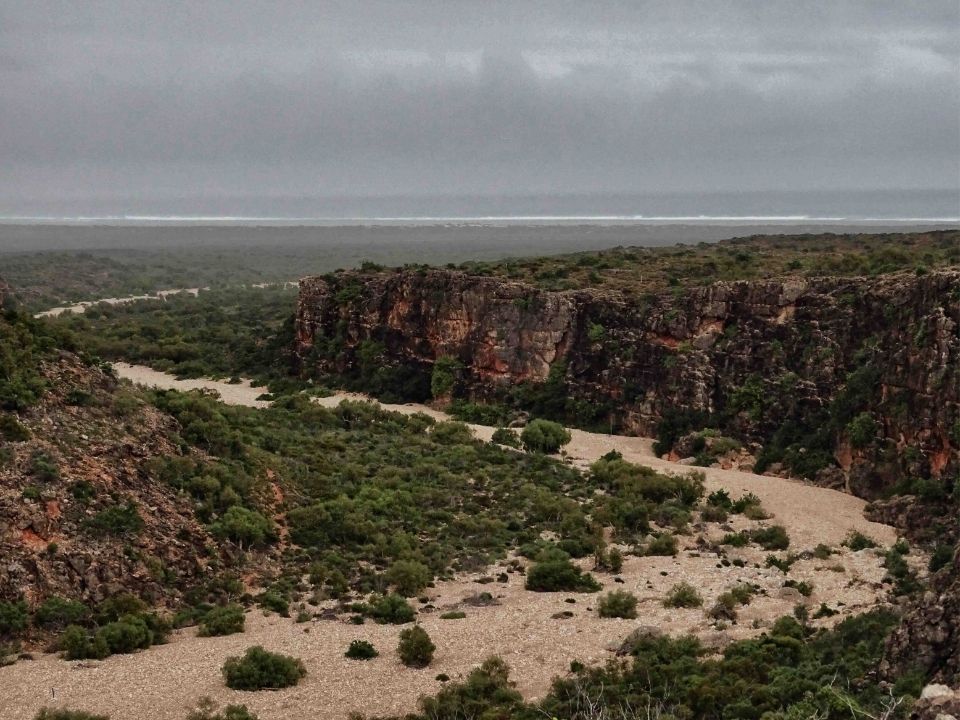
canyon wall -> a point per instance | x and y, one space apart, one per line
864 369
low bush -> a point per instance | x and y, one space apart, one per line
116 520
544 436
771 538
415 648
453 615
559 575
391 609
856 540
822 551
618 604
56 613
259 669
683 595
223 620
506 436
664 544
361 650
13 617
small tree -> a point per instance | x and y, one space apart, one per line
683 595
415 648
544 436
245 527
392 609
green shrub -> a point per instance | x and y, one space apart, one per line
713 513
273 600
738 540
544 436
822 551
391 609
664 544
862 430
559 575
506 436
13 617
415 648
116 520
223 620
801 586
408 577
247 528
57 612
444 376
62 714
361 650
683 595
129 633
11 429
77 644
618 604
856 540
453 615
941 557
771 538
259 669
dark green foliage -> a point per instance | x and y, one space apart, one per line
247 528
408 577
13 617
544 436
62 714
259 669
506 436
361 650
486 693
11 429
683 595
444 376
24 342
557 575
117 520
276 601
664 544
941 557
856 540
392 609
224 620
862 430
56 612
415 648
676 423
771 538
126 634
618 604
803 587
822 551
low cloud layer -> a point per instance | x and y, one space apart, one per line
142 100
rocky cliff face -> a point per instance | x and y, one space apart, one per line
860 373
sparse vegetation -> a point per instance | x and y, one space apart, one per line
415 648
683 595
618 604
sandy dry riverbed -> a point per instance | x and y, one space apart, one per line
522 627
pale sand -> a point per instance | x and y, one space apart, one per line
165 681
81 307
169 679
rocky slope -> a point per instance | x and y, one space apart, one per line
81 514
789 363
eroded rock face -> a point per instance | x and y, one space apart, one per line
929 635
757 355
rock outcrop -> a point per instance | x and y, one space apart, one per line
758 358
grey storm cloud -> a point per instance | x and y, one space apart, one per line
328 98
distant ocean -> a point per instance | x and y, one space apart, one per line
873 206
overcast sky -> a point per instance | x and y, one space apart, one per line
206 98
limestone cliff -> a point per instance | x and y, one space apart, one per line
767 360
